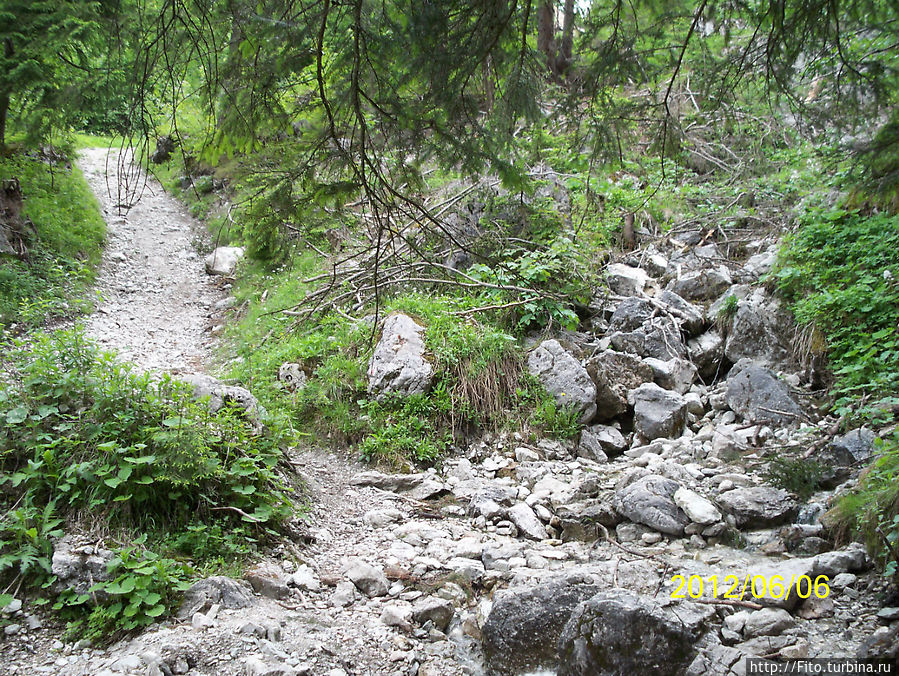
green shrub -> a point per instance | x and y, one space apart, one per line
83 430
872 510
802 477
61 263
553 420
81 433
841 271
143 588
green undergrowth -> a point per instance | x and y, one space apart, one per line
871 511
479 381
841 272
88 442
61 254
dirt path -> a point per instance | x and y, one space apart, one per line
155 296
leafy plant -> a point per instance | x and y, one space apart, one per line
841 270
25 541
872 510
144 587
802 477
560 422
727 312
61 260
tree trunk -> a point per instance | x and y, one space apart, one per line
567 37
628 237
489 91
4 109
546 33
8 52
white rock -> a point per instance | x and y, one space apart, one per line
625 280
398 364
223 261
696 507
201 621
370 580
527 522
305 578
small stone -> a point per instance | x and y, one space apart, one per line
201 621
268 580
844 580
305 578
436 610
651 538
14 606
767 622
696 507
344 594
397 615
527 522
524 454
889 614
370 580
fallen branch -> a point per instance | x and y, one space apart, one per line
249 517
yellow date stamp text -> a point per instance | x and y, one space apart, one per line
736 588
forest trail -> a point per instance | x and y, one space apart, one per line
154 296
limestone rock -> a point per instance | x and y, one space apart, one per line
619 632
657 412
434 609
675 374
703 284
853 447
630 314
523 628
615 374
268 580
370 580
659 337
625 280
767 622
598 442
223 261
527 522
706 352
564 377
757 395
758 506
221 395
292 375
79 566
398 364
697 508
650 501
689 315
759 330
224 591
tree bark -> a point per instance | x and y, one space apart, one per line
4 96
489 91
4 109
546 32
565 51
629 240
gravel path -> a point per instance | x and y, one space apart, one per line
156 298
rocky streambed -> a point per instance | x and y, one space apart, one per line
521 555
